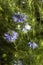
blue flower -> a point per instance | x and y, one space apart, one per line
19 17
11 37
33 46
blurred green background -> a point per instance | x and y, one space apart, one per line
19 50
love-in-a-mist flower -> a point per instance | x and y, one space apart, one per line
19 17
26 28
11 37
33 46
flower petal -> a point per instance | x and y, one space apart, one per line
11 37
34 45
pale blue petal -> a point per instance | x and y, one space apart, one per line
34 45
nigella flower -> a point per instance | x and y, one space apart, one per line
19 17
11 37
33 46
26 28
